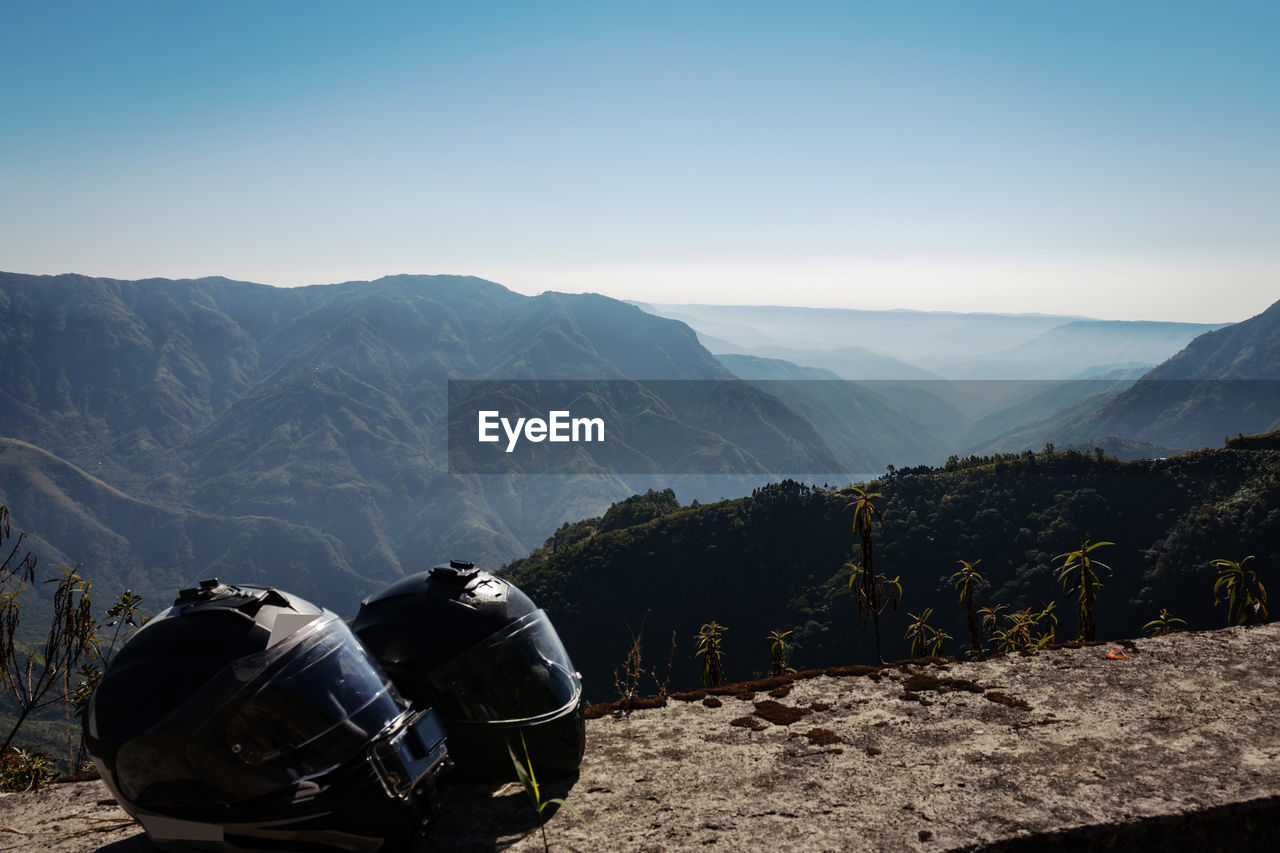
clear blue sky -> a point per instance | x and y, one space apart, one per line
1117 159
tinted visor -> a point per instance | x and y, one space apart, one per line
265 722
520 675
316 710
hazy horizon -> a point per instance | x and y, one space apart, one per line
657 303
1116 161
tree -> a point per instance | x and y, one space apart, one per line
40 677
1079 576
869 586
1245 595
968 582
30 676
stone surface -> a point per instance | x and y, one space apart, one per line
1061 749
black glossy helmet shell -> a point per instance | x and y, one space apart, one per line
178 651
476 648
242 717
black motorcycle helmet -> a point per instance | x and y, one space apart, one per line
479 651
246 718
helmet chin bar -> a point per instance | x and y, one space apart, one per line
409 760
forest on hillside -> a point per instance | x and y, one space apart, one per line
781 559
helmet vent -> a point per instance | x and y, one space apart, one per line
458 571
213 594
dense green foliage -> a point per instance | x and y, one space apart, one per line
776 558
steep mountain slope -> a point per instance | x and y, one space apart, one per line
1249 350
150 548
1224 383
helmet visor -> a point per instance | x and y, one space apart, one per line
518 676
314 710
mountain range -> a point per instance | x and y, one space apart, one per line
320 409
161 431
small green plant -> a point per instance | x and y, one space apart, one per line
1244 594
921 633
1079 576
125 611
1047 621
968 582
709 639
529 781
781 652
1165 623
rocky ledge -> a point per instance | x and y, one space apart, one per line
1164 743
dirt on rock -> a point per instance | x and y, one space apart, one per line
1175 745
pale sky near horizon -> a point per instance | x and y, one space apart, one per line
1111 159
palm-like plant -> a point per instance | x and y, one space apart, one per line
708 639
781 651
968 582
990 616
921 633
1079 576
1245 595
1047 621
1023 630
869 586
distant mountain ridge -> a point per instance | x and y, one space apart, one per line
1080 346
899 344
900 334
